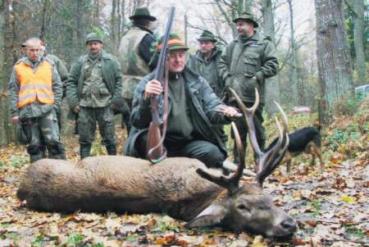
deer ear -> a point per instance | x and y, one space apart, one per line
210 216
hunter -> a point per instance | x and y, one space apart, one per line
244 65
135 55
94 83
36 92
205 61
193 111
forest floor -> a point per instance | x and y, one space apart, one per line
331 207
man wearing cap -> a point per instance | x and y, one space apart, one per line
205 61
135 53
193 110
244 65
35 93
94 83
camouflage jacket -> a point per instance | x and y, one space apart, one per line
245 66
35 109
111 73
208 69
133 65
203 113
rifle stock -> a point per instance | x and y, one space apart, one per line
155 139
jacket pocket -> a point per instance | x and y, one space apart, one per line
248 87
104 92
251 64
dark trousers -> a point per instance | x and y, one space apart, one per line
87 119
205 151
243 130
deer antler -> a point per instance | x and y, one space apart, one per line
269 159
231 183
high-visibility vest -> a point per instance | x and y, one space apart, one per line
34 85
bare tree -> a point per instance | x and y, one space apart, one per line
357 7
272 84
295 80
8 56
334 61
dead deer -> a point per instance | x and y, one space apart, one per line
183 188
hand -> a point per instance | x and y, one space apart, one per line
153 87
229 111
15 119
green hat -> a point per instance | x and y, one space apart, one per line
246 17
207 36
93 37
142 13
174 43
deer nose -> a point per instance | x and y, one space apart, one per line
289 225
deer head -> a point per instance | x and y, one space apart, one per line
245 207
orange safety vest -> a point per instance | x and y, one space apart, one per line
34 85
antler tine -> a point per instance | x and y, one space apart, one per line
276 151
231 183
249 117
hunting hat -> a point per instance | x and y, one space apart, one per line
93 37
246 17
142 13
174 43
207 36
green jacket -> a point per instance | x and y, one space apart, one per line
34 109
60 67
208 69
246 66
112 77
203 114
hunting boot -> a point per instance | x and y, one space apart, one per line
34 152
57 151
85 150
111 149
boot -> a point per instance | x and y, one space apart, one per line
35 157
56 151
34 152
111 149
85 150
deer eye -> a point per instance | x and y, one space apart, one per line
243 207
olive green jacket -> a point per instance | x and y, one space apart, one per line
112 77
208 69
245 66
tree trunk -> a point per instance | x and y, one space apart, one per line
7 58
358 7
113 19
334 61
295 78
272 84
3 98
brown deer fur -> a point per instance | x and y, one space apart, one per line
183 188
125 184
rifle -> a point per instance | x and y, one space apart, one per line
155 138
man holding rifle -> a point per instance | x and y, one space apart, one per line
193 110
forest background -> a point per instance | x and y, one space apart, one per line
322 47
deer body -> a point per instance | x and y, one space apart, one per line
118 183
183 188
